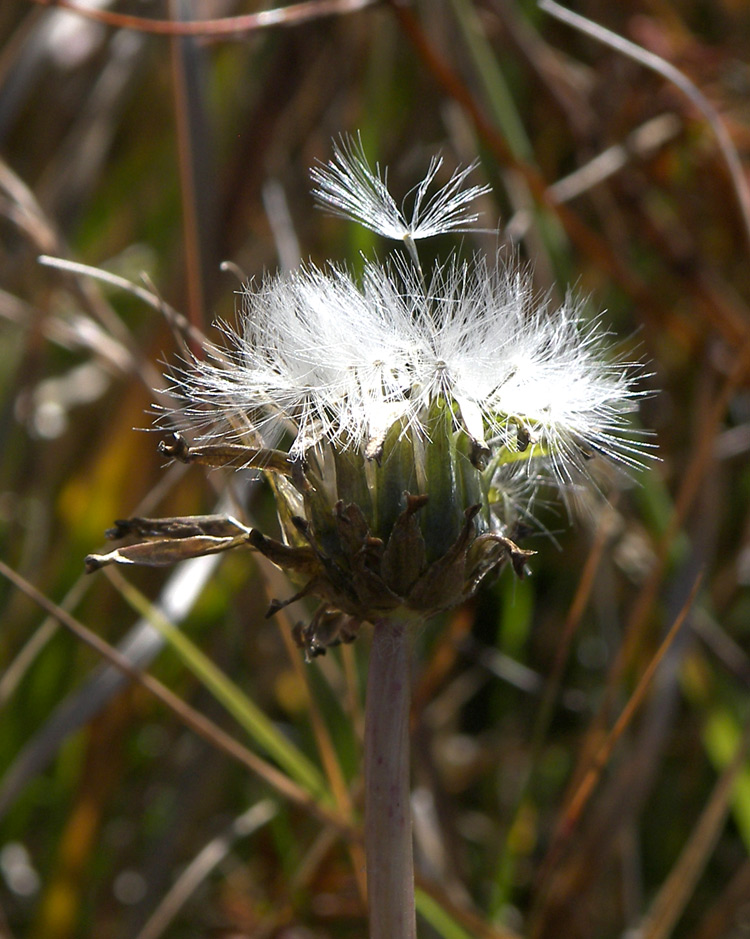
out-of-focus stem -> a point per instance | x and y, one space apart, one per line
388 834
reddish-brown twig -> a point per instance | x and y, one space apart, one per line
291 15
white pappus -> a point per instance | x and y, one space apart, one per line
334 359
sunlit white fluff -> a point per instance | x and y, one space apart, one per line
349 187
333 360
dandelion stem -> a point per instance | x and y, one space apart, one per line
388 833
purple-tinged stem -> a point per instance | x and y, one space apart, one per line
388 834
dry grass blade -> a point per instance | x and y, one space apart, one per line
13 674
720 918
22 208
152 299
138 648
668 71
669 903
443 660
692 476
575 807
572 623
585 238
640 143
326 749
193 719
203 864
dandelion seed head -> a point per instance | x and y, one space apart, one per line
412 422
331 364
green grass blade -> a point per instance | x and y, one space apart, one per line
239 705
440 920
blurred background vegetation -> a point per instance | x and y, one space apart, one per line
145 154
